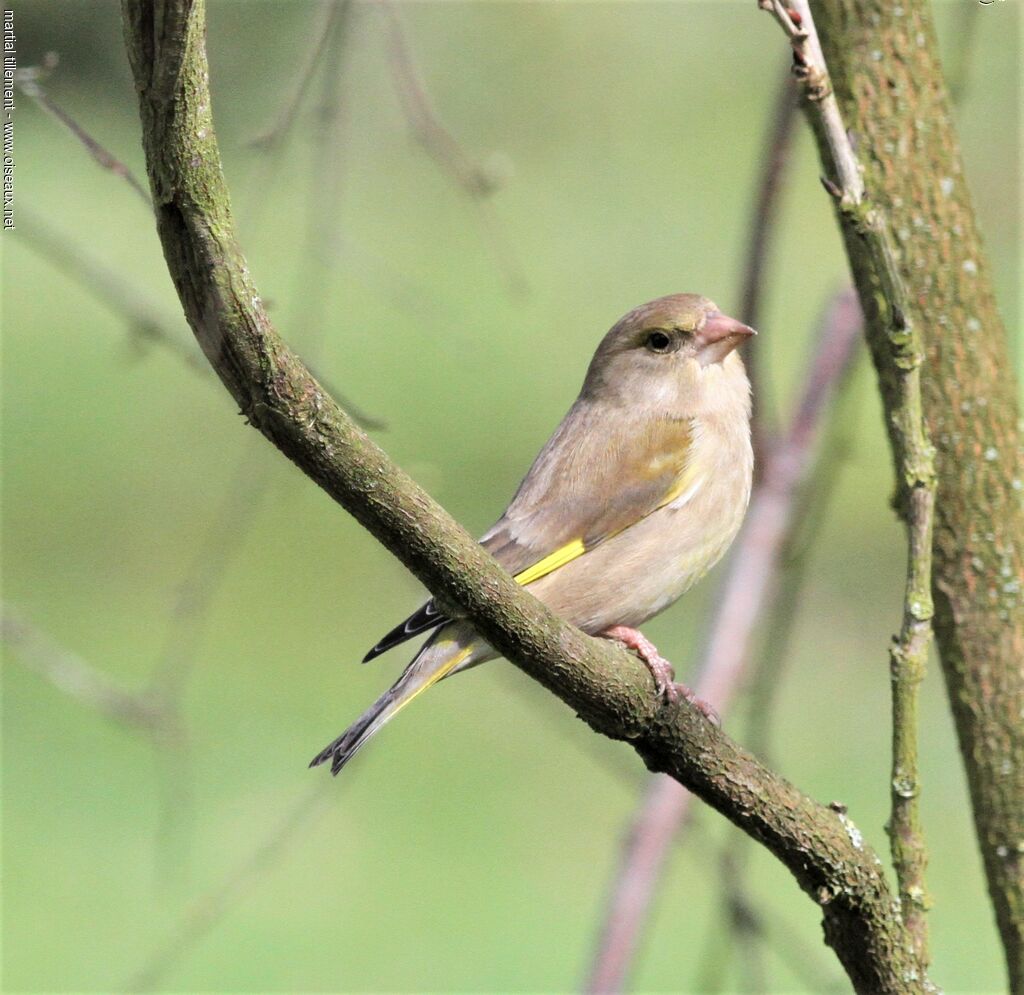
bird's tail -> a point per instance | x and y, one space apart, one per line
438 658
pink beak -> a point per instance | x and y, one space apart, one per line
719 335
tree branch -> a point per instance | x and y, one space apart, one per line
28 81
205 911
608 687
77 677
764 215
912 450
888 84
477 179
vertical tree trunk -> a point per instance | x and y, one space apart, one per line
886 74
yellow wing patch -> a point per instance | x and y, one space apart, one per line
687 480
551 562
684 488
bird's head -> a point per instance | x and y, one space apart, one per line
677 351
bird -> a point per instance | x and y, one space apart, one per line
634 498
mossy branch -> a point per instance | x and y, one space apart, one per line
609 688
866 223
888 84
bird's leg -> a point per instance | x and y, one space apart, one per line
661 670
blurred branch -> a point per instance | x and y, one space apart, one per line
606 685
757 930
763 222
208 909
190 614
146 323
75 676
914 455
422 118
186 630
767 671
746 925
327 18
442 146
748 591
317 264
28 81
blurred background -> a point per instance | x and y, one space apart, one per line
444 224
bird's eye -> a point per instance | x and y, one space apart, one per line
659 341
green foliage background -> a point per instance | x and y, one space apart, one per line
471 848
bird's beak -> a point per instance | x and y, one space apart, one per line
718 336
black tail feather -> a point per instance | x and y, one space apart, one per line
345 747
427 617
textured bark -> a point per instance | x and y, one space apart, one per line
885 70
608 687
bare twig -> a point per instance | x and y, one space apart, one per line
144 317
206 910
748 588
746 925
914 458
75 676
28 81
316 266
762 224
809 68
423 119
757 929
190 614
146 322
768 668
274 134
442 146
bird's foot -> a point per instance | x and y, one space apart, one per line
661 670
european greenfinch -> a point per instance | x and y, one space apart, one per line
638 493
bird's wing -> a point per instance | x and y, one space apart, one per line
587 485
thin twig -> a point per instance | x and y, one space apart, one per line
185 632
768 668
75 676
914 457
762 224
206 910
442 146
146 323
748 588
28 81
746 925
422 117
144 317
316 266
809 68
283 122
